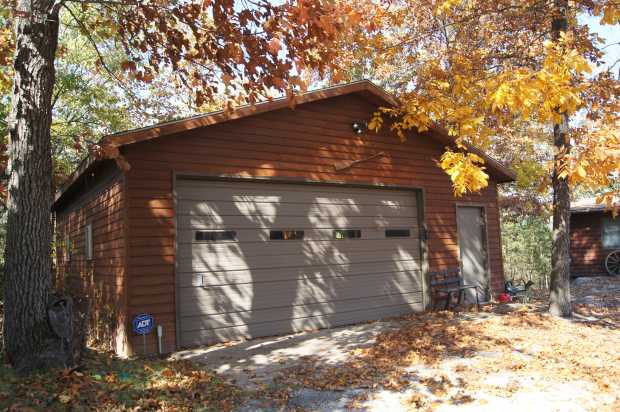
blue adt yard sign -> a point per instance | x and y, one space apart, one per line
143 324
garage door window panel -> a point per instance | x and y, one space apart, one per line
286 234
215 235
340 234
397 233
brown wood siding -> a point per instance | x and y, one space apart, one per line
102 279
285 144
587 252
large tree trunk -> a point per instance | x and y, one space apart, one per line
28 262
559 297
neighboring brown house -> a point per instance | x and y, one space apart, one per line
270 220
594 235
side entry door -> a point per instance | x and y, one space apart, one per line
471 223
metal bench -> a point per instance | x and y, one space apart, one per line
521 293
447 284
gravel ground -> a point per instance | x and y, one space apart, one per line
599 291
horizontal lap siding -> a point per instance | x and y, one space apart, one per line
587 252
102 279
246 286
304 143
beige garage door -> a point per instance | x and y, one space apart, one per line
260 259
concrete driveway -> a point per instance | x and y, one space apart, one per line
263 367
256 362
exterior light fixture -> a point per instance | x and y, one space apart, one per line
359 127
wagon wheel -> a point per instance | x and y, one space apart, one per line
612 263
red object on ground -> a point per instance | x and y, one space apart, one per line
504 298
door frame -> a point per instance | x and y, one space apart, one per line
485 232
418 192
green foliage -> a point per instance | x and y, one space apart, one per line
86 104
526 243
92 97
86 101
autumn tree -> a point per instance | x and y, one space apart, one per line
487 70
86 103
93 96
244 49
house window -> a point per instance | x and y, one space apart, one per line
215 235
397 233
611 232
88 242
347 234
286 234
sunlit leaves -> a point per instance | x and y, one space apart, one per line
248 49
486 71
595 164
6 46
6 51
274 45
375 122
609 11
466 171
540 94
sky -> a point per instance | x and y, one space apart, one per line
611 34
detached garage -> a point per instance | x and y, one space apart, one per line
267 221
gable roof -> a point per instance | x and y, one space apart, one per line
589 204
363 88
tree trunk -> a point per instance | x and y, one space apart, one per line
559 291
28 262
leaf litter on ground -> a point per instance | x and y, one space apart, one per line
104 382
521 343
440 358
